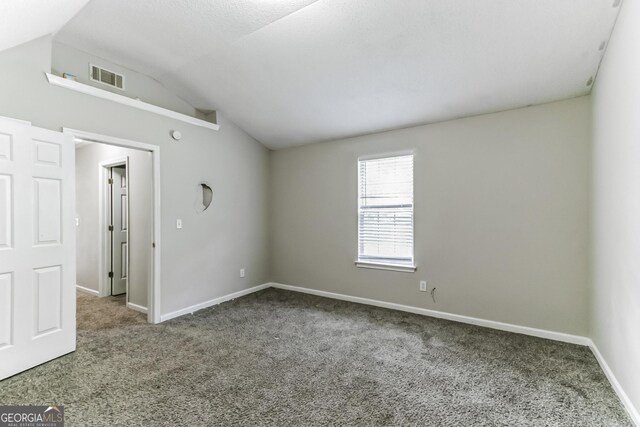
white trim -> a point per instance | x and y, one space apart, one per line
540 333
87 290
104 247
632 411
83 136
390 267
192 309
153 294
386 154
125 100
137 307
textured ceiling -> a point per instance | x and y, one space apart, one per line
24 20
292 72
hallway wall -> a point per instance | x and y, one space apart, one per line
88 232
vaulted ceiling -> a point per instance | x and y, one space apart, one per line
25 20
292 72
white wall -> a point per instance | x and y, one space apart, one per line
615 296
88 232
201 261
501 208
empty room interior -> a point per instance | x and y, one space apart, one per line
319 212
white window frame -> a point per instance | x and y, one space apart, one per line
375 264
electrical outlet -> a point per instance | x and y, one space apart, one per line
423 286
178 224
242 272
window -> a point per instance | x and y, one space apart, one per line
385 213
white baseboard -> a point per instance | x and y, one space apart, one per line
137 307
87 290
541 333
215 301
633 412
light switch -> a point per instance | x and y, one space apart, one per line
178 224
423 286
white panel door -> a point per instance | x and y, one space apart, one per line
120 231
37 246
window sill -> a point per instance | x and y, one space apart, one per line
390 267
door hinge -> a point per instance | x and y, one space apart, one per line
110 181
111 275
153 245
111 228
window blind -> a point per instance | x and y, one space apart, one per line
385 210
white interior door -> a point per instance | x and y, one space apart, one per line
37 246
119 230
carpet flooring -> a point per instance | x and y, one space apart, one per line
282 358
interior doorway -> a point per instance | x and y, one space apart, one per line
125 245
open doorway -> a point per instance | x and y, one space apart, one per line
117 222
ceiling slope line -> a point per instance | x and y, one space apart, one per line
606 46
276 20
233 42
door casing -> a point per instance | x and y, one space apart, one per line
154 288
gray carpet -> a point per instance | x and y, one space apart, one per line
284 358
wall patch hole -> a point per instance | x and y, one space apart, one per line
203 197
207 196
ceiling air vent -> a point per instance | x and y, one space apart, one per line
106 77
